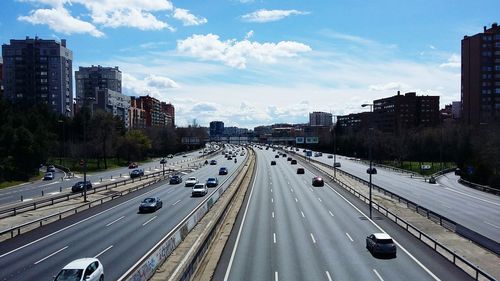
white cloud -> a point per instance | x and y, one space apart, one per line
160 82
187 18
262 16
236 53
59 20
153 85
454 61
391 86
249 35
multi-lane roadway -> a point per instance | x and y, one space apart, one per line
114 232
290 230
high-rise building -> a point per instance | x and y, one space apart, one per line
1 78
216 129
103 85
397 113
137 114
481 76
456 109
39 71
169 113
320 119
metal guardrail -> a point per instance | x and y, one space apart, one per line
479 187
147 265
459 261
16 230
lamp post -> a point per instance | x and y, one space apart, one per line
370 154
334 149
86 101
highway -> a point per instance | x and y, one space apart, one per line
114 232
479 211
289 230
32 190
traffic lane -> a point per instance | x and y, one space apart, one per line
81 232
438 265
326 233
474 212
32 190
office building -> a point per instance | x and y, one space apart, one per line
216 129
101 87
320 119
168 111
1 78
353 123
456 110
480 94
39 71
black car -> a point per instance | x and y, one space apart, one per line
336 164
300 171
273 163
136 173
223 171
175 179
276 156
213 162
293 162
212 182
381 244
289 159
457 171
79 186
318 181
150 204
163 161
373 171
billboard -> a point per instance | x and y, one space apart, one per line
312 139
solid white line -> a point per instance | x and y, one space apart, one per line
276 276
176 202
331 214
103 251
54 193
272 214
491 224
378 275
395 242
319 199
60 250
349 236
302 213
228 270
274 238
328 276
26 199
115 221
149 220
312 237
475 197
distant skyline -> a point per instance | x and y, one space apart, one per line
258 62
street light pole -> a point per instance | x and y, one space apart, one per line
370 154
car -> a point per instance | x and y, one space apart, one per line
185 155
213 162
133 165
293 162
336 164
137 173
284 155
191 181
150 204
318 181
88 269
373 171
432 180
212 182
273 163
229 157
79 186
380 244
276 156
330 156
223 171
457 171
175 179
300 171
48 176
289 159
170 156
163 161
51 168
199 189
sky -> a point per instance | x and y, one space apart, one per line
260 62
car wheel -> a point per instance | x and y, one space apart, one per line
101 278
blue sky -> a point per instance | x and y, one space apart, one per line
261 62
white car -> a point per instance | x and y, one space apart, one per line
199 189
86 269
191 181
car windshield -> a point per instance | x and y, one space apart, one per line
384 241
191 179
211 179
149 200
69 275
